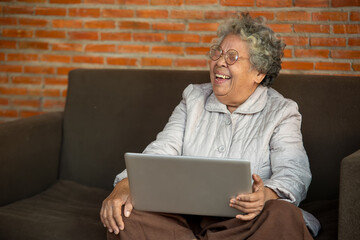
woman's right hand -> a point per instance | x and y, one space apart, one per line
110 213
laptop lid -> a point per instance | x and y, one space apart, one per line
186 185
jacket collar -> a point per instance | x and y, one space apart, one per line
255 103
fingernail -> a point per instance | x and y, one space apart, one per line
127 213
110 230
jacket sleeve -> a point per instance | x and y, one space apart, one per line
170 140
291 174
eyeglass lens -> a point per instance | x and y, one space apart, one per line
216 52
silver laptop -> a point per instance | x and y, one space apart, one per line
186 185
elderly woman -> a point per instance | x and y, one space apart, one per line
237 115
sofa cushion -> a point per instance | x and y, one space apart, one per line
66 210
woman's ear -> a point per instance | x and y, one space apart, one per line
259 77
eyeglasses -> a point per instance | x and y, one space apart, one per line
216 52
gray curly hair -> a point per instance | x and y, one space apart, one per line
265 49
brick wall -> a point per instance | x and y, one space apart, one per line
41 40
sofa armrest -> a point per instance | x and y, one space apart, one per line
29 155
349 204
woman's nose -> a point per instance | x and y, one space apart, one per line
221 61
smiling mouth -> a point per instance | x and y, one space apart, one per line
219 78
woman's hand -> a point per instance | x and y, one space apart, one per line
110 213
253 203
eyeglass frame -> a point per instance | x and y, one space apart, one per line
222 54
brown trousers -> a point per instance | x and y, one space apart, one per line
278 220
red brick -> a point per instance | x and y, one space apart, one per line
64 70
354 41
33 1
203 26
201 2
191 38
355 16
356 66
266 15
113 36
152 14
4 101
46 11
26 80
118 13
291 65
218 14
7 21
10 68
186 14
33 22
100 24
242 3
55 58
7 44
311 28
66 1
26 103
84 12
40 92
34 45
8 113
345 54
287 53
293 16
322 41
13 91
311 3
313 53
100 1
295 41
22 57
330 16
2 56
83 35
20 33
281 28
64 93
54 103
28 113
4 79
329 66
149 37
121 61
18 10
133 2
61 23
50 34
156 61
168 50
133 49
67 47
88 59
197 50
167 2
133 25
56 81
100 48
190 62
39 69
274 3
347 29
345 3
168 26
207 38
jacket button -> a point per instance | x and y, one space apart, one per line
221 149
228 122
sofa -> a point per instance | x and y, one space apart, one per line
56 168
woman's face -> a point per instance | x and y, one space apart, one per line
233 84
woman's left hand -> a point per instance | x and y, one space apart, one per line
253 203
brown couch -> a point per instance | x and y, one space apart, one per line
56 168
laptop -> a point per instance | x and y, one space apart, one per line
186 185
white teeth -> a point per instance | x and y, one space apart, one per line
222 76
